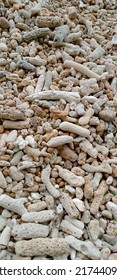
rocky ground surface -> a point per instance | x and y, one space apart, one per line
58 129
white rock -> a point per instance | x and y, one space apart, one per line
97 53
60 140
40 217
79 204
21 142
70 178
85 247
69 228
68 205
3 47
1 97
80 109
35 195
26 164
3 183
114 39
15 174
30 230
37 206
6 214
84 120
86 217
5 237
16 158
70 189
87 147
90 250
93 228
29 179
75 222
112 207
11 136
88 86
70 127
41 247
59 209
45 177
14 205
2 223
31 141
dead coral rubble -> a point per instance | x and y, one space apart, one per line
58 130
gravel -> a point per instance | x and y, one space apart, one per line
58 130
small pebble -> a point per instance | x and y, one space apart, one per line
4 23
3 47
26 66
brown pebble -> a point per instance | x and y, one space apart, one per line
11 195
5 157
15 7
21 73
101 157
62 184
1 129
54 173
10 145
109 94
4 23
5 171
88 190
50 150
58 180
38 111
57 114
68 164
114 170
100 127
